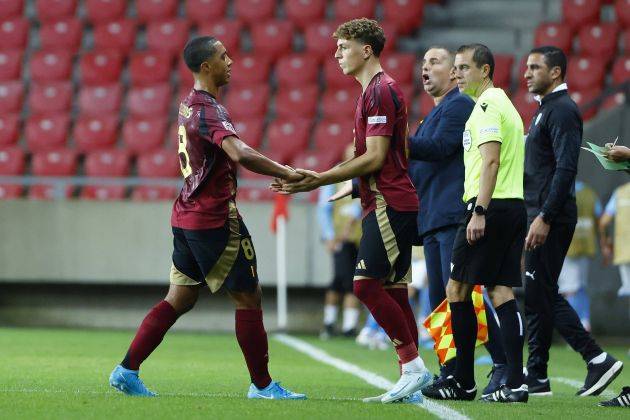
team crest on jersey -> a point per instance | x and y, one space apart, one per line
466 140
538 117
185 111
228 126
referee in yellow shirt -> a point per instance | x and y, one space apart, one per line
489 242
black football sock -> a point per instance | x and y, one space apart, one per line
512 328
464 322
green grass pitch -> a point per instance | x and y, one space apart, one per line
62 374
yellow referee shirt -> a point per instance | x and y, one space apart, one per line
494 118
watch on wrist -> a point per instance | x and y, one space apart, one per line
480 210
544 217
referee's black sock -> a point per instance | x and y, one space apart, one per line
512 328
464 322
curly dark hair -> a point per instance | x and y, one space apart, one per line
366 31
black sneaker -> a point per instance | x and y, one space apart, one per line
538 387
327 333
600 375
498 376
507 395
623 400
449 389
436 382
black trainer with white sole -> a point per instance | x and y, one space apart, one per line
498 376
623 400
538 387
449 389
600 375
507 395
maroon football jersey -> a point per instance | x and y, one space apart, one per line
209 173
381 111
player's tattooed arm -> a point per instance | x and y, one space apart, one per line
255 161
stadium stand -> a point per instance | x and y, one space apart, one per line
107 74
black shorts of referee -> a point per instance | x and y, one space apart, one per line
495 259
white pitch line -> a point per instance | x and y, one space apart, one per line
439 410
577 384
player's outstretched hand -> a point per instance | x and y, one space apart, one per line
344 191
310 181
617 153
278 183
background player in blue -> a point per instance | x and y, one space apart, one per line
212 246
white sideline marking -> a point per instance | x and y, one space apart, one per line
577 384
371 378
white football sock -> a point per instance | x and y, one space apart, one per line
330 314
350 318
415 365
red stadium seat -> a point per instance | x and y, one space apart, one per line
318 161
48 192
408 91
49 10
169 36
117 35
182 93
254 194
580 12
104 11
10 65
334 77
201 11
228 31
155 10
62 34
95 132
58 162
303 12
503 64
144 134
150 100
107 163
159 163
391 35
14 32
526 105
11 191
426 104
340 103
103 192
406 14
288 136
252 11
11 8
399 66
149 68
319 41
599 41
625 40
352 9
584 73
50 97
246 102
584 98
186 78
297 102
47 132
9 129
11 161
272 37
100 67
49 65
11 96
250 130
622 11
250 69
333 134
621 70
557 34
614 101
97 100
297 70
154 193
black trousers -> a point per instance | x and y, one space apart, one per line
545 308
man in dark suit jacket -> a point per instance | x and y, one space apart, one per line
436 168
